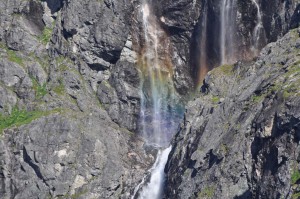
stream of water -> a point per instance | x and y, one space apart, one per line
161 110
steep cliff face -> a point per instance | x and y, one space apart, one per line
70 97
240 138
68 86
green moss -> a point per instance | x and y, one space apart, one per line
18 118
295 176
40 90
223 70
215 99
13 57
257 98
46 35
207 192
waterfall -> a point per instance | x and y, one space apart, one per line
227 32
161 109
160 104
258 31
154 188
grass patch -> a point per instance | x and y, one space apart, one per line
46 35
295 176
224 69
215 99
207 192
257 98
18 118
13 57
40 90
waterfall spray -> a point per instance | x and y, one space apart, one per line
159 100
161 109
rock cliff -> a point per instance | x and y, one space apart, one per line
70 100
240 137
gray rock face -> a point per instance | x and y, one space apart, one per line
54 69
99 40
63 154
70 100
180 18
238 139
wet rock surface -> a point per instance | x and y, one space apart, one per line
239 139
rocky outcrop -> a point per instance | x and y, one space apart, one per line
240 137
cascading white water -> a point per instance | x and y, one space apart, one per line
153 189
227 31
258 29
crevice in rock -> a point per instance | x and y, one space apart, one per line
97 67
29 161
